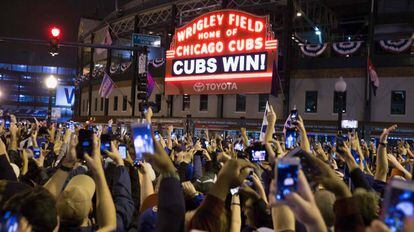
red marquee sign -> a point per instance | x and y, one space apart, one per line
221 52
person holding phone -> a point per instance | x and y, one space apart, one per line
301 202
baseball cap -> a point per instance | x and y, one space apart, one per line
75 202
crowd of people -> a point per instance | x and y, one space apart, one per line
50 182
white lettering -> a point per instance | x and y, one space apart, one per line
178 67
230 62
211 65
200 66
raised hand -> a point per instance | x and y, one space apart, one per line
114 154
386 132
303 205
71 157
271 116
161 159
148 114
94 161
235 171
189 189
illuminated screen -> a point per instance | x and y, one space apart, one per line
222 52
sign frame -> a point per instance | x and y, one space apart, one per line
146 40
205 56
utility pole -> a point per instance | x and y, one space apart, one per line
134 69
91 67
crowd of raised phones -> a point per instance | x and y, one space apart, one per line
79 177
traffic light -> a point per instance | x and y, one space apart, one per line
54 36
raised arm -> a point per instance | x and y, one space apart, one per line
304 141
381 170
57 181
121 190
271 122
235 214
106 213
244 136
170 129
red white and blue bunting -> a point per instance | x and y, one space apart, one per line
125 66
114 68
346 48
396 46
158 62
313 50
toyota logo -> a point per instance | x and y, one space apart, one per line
198 87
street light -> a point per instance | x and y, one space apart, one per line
340 88
51 84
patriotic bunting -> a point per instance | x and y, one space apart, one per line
158 62
125 66
313 50
346 48
114 68
396 46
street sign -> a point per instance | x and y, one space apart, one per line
142 63
146 40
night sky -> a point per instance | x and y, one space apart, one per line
31 19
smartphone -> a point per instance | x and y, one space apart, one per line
70 126
173 136
122 150
291 138
258 155
294 115
9 222
286 177
105 143
234 191
340 141
36 152
206 143
398 204
157 135
85 143
238 147
143 142
7 122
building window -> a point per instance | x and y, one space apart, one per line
240 103
116 103
50 69
26 98
263 98
124 103
102 103
19 67
203 102
398 102
158 101
336 102
96 104
83 105
34 69
43 99
311 102
186 102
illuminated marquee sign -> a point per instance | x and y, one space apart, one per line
221 52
